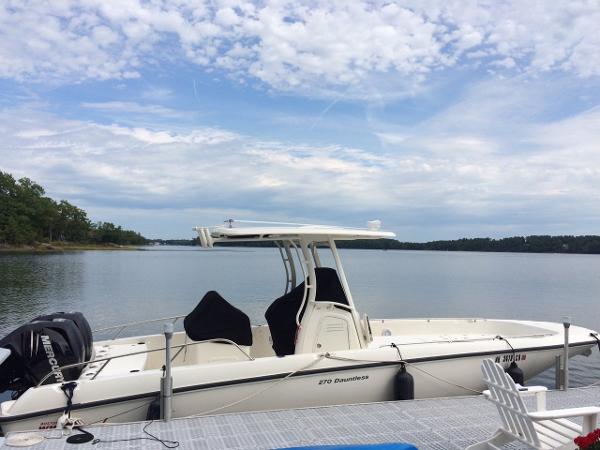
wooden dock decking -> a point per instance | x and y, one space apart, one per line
429 424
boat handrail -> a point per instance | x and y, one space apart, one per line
120 328
459 339
109 358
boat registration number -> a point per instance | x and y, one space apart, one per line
510 357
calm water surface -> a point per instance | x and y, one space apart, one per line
112 287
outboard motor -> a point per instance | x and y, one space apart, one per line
82 324
44 345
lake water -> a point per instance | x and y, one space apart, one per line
112 287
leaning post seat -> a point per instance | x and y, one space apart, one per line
329 287
281 315
215 318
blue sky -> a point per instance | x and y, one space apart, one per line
443 119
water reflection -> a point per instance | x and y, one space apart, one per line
30 284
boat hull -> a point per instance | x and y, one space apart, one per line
276 383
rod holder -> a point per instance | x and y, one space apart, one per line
565 358
166 381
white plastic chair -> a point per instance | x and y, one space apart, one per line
543 429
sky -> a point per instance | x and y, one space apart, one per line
443 119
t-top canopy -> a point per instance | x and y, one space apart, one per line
276 232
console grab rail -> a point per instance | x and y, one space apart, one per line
108 359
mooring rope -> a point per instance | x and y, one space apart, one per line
266 388
402 361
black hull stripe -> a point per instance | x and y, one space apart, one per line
199 387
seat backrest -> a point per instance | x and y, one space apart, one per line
281 314
215 318
281 317
504 393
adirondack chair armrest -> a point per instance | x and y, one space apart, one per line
538 391
527 391
589 414
562 413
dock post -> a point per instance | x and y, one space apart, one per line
557 372
565 375
166 381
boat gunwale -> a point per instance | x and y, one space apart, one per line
309 372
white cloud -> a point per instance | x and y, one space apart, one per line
132 107
441 172
391 138
314 48
157 94
104 36
130 167
523 171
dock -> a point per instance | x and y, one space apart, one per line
450 423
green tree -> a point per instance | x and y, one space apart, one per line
73 223
8 189
106 232
48 218
26 216
18 201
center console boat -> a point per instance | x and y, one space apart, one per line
315 349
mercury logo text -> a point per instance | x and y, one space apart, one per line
58 375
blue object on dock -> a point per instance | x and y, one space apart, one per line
384 446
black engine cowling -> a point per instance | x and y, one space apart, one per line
44 345
82 324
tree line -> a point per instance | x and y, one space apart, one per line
27 216
520 244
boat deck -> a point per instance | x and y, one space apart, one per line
436 424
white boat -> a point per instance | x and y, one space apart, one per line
314 350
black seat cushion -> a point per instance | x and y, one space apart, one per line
329 286
281 315
215 318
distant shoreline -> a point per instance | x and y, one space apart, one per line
565 244
62 247
580 245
